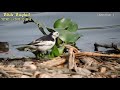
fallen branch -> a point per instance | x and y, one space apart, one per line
74 49
20 72
13 70
77 55
71 58
4 73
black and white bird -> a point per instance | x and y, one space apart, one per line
44 43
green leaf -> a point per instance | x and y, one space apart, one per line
58 41
61 49
62 23
55 51
51 55
67 36
72 27
67 24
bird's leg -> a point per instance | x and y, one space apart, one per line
43 54
37 54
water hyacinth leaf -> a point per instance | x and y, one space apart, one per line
74 37
72 27
58 41
61 49
51 55
55 51
62 23
67 36
67 24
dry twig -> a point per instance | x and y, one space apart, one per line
4 73
77 55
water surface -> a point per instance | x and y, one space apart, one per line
15 32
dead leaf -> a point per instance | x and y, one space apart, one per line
30 65
45 75
103 69
25 76
52 63
77 76
82 71
88 61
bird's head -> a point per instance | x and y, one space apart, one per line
55 34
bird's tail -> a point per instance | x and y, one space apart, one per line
19 44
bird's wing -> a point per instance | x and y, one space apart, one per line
36 43
41 43
45 40
44 43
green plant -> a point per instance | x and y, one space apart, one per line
67 34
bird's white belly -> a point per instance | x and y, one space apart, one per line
44 48
48 45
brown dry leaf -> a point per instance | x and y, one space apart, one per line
103 69
76 76
117 67
60 66
83 71
52 63
36 74
89 61
11 66
113 76
30 65
92 68
44 75
60 75
25 76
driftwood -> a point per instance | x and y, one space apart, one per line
77 55
75 50
71 58
6 70
4 73
113 46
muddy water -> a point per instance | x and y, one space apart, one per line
15 32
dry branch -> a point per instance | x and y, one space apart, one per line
13 70
74 49
4 73
71 58
77 55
